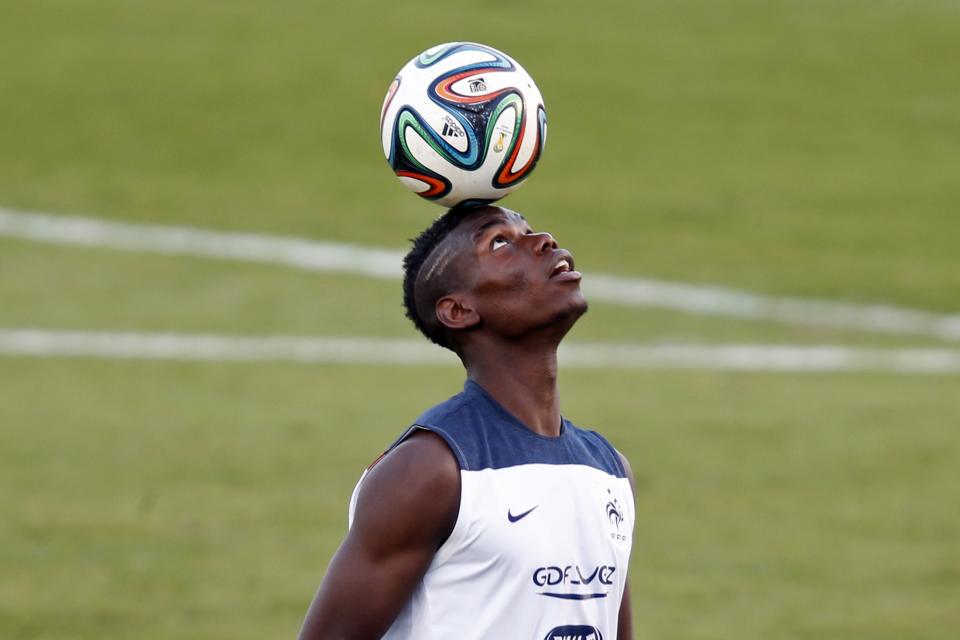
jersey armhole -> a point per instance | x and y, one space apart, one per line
454 449
457 455
617 461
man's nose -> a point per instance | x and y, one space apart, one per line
543 242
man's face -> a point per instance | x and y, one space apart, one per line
517 279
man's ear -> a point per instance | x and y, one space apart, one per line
455 312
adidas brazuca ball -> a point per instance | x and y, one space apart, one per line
463 123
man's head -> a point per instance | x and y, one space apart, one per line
485 269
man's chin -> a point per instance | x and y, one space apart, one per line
564 320
584 305
579 305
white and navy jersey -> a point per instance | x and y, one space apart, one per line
542 540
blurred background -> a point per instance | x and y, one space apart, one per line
716 165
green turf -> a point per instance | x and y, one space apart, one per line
70 288
790 147
784 507
793 147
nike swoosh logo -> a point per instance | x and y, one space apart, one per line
514 518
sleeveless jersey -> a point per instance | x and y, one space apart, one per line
542 540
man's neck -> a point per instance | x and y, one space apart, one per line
523 381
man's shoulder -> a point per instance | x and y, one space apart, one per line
444 411
418 464
408 497
423 450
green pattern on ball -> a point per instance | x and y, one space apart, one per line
406 119
426 59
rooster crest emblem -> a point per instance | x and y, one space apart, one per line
614 514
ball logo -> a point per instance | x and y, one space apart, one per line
477 85
574 632
451 128
503 132
498 147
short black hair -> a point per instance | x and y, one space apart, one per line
423 246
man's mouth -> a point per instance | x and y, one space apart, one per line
563 271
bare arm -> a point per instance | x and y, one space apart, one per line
625 619
406 508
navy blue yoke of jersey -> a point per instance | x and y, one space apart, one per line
484 435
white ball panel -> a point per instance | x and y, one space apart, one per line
425 155
417 186
528 144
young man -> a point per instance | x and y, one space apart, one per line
492 516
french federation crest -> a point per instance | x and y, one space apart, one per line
615 517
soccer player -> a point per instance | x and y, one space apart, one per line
492 516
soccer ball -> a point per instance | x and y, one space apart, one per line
463 123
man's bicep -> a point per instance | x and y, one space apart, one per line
363 591
405 509
625 616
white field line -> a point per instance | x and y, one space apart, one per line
383 351
152 238
385 263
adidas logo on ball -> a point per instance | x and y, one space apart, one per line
452 130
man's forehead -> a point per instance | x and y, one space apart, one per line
462 241
490 216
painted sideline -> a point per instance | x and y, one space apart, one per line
385 351
385 263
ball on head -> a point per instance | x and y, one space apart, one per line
463 124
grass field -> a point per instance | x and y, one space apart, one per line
789 148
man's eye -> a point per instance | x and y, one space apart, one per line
498 242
